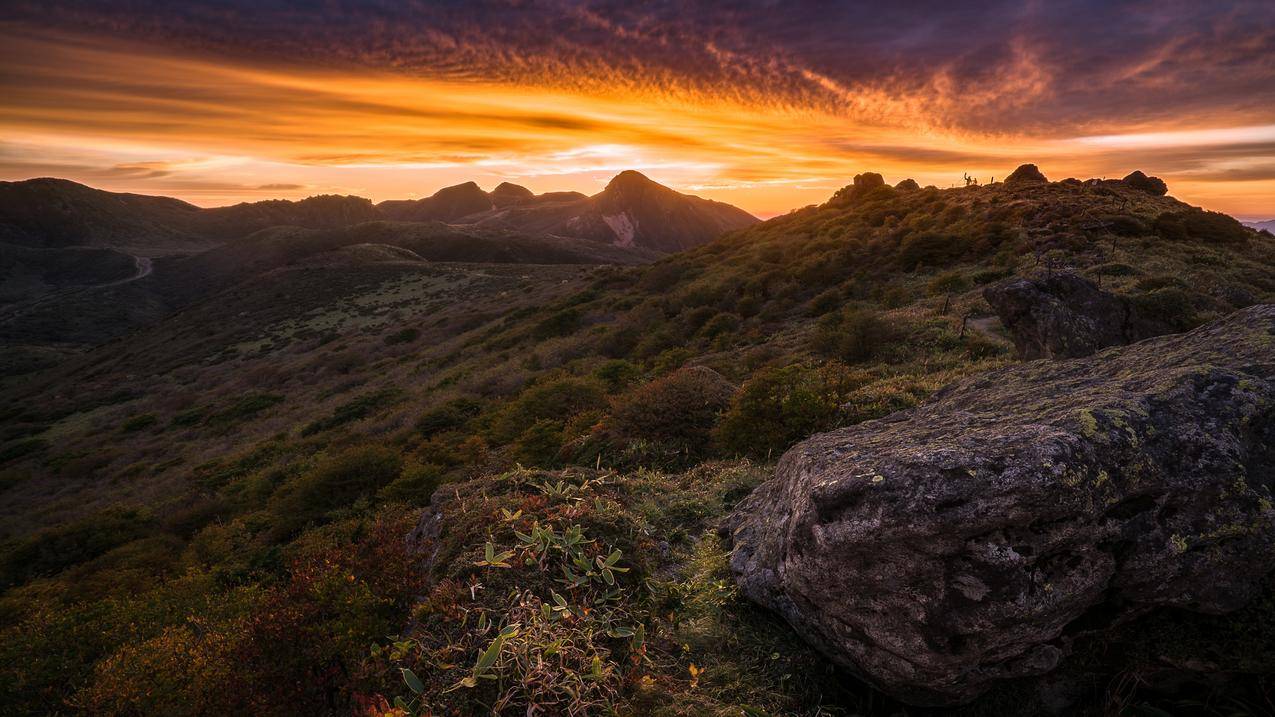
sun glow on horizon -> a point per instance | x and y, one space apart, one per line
216 131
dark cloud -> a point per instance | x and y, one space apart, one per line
1046 67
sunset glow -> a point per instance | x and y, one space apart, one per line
218 119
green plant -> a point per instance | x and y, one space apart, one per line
780 406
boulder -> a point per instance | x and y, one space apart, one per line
868 180
1067 316
862 184
908 185
974 538
1143 183
1025 173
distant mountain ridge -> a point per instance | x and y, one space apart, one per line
1268 225
632 212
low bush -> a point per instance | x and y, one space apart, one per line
449 416
779 406
679 410
334 482
357 409
852 335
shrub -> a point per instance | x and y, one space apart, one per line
560 324
930 249
138 423
720 324
244 409
853 335
55 549
1170 306
825 302
556 400
18 449
679 410
415 484
540 444
449 416
357 409
779 406
951 282
334 482
616 374
1200 225
402 336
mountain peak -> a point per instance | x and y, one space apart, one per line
631 179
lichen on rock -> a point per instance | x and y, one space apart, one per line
974 538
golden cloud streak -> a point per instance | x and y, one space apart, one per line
135 119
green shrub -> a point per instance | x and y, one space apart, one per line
357 409
244 409
1170 306
189 417
56 549
25 447
138 423
853 335
779 406
1200 225
560 324
402 336
334 482
951 282
450 416
827 301
540 444
930 249
616 374
719 325
415 484
679 410
556 400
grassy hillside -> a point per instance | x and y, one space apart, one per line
208 516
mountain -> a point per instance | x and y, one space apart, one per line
631 212
341 438
66 248
1268 225
57 213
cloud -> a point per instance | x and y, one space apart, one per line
759 100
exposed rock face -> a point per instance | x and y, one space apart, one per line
907 185
972 538
1026 173
1067 316
1150 185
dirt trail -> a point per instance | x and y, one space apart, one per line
144 268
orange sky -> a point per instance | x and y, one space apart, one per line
216 130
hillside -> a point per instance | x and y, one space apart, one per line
201 512
79 266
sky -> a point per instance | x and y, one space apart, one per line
768 105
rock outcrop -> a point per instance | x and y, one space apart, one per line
1026 173
975 537
1151 185
1067 316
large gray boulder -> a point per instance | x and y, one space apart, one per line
973 538
1067 316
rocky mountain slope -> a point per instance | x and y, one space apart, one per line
631 212
247 467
